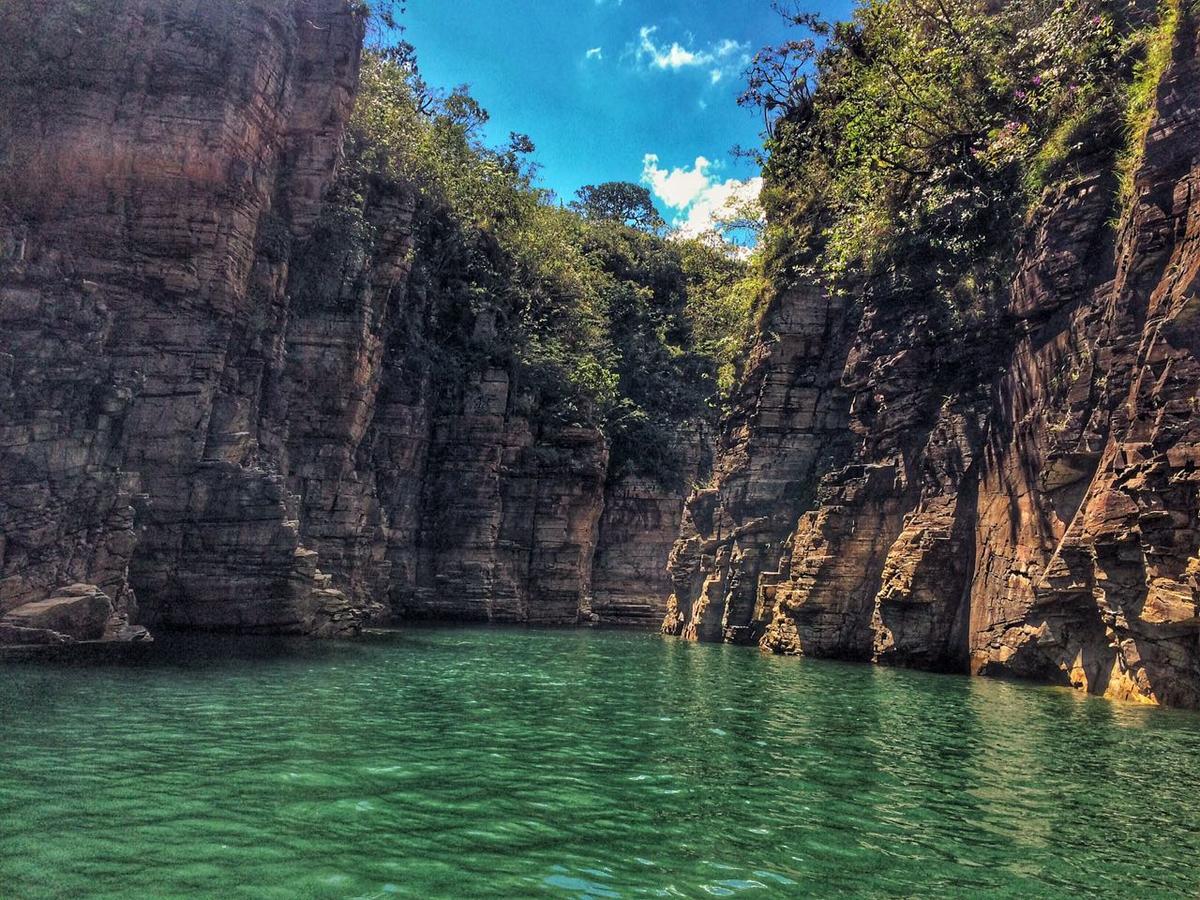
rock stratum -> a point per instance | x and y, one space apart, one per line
212 415
1020 501
215 413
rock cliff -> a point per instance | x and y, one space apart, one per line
1017 500
226 401
213 414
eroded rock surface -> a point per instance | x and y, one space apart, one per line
145 318
1022 501
218 408
639 527
75 613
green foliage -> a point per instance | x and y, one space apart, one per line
382 16
403 130
724 293
274 237
619 201
781 80
600 319
933 127
1155 42
331 261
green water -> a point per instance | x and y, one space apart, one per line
463 763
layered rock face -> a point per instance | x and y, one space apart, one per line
144 317
1021 501
1102 479
638 530
209 416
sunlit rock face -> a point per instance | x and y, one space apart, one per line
212 411
1022 501
1096 458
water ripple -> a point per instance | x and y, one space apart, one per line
510 763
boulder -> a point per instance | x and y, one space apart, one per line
79 612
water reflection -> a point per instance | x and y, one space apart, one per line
474 762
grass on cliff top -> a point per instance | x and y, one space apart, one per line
911 143
1156 43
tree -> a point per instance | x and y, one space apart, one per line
383 20
619 201
464 111
781 80
590 306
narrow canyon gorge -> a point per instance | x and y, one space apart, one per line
217 413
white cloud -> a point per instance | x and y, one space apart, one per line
723 55
680 187
728 47
673 57
698 198
595 53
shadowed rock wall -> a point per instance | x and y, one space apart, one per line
148 148
210 413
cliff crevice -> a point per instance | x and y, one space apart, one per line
1018 500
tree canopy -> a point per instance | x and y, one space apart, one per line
914 137
601 317
619 201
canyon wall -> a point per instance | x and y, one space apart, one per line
213 411
226 400
1016 497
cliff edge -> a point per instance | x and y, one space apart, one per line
214 409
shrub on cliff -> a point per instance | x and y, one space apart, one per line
918 133
600 318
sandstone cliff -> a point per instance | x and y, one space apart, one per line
225 401
1021 499
213 412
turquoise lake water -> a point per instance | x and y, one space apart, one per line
513 763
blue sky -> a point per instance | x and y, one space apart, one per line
611 90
